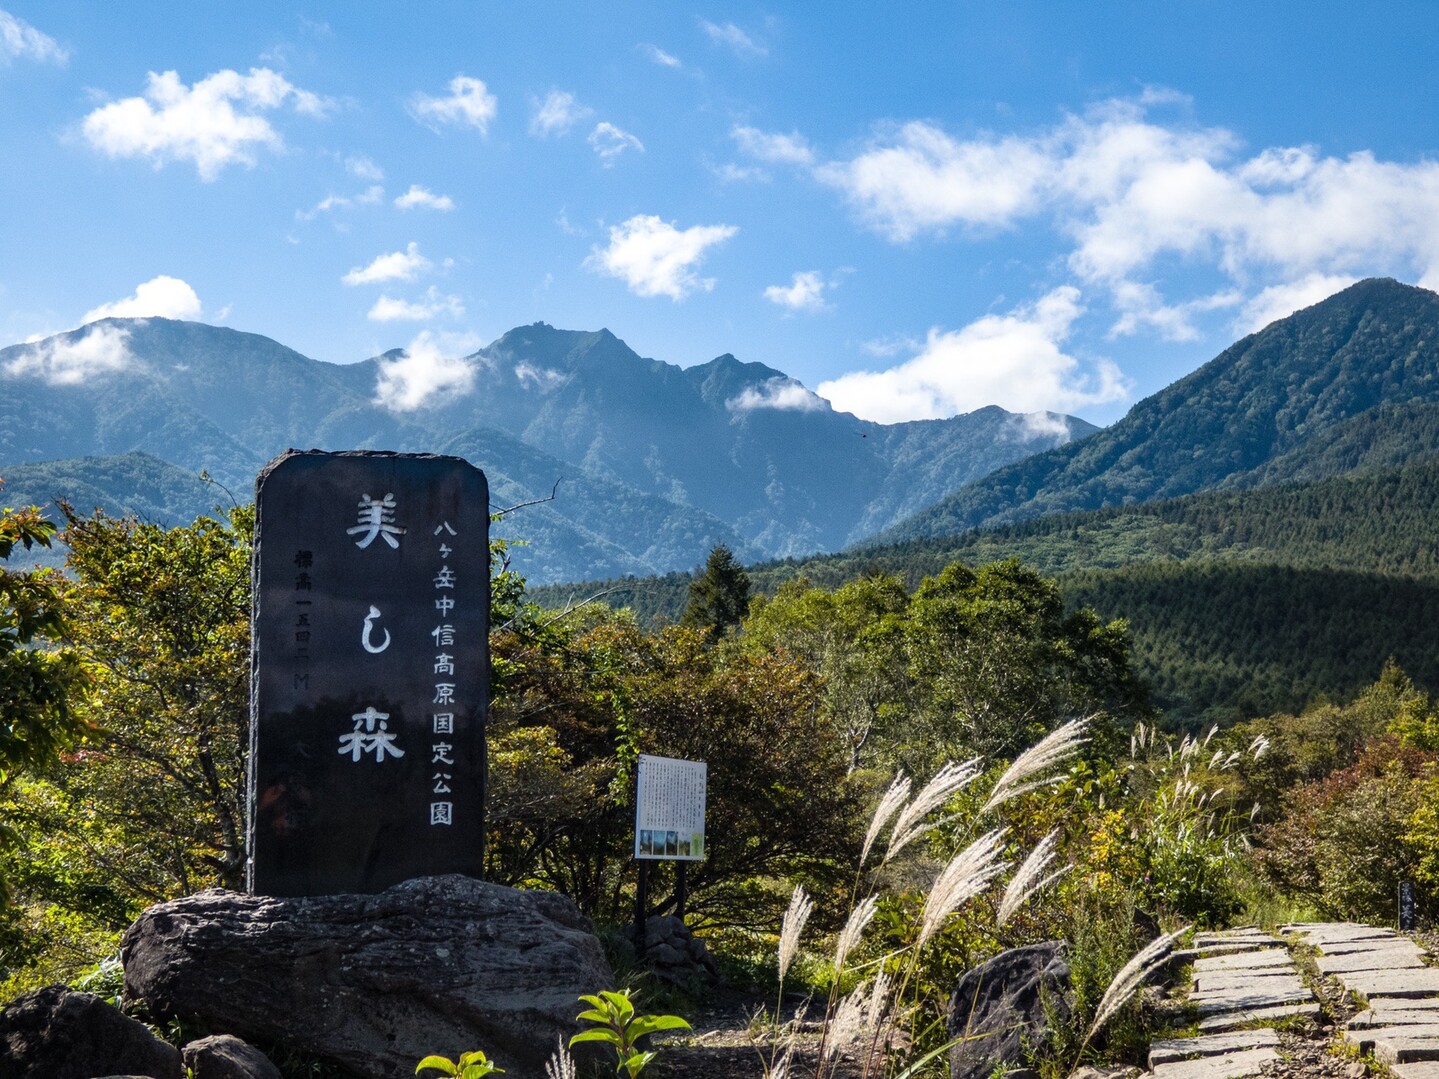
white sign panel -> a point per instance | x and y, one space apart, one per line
670 809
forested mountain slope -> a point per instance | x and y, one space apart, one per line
1265 399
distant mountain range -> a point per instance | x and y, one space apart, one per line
655 464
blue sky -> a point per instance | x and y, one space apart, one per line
915 209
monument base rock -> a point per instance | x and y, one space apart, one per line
373 983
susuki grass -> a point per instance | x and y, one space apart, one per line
881 1022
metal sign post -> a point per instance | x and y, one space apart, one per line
669 825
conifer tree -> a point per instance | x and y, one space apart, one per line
719 596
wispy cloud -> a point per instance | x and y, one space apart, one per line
557 114
215 123
469 104
610 142
1279 301
655 258
733 38
435 304
423 375
773 147
805 292
780 394
422 198
363 168
1015 360
403 265
659 56
21 41
159 297
70 359
369 197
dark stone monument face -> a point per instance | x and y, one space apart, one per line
370 672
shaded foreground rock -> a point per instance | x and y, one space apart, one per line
372 983
62 1034
224 1056
1002 1009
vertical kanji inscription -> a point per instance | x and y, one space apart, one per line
370 672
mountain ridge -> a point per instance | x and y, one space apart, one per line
1227 418
723 452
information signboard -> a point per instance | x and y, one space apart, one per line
370 672
670 809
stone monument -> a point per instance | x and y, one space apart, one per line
370 672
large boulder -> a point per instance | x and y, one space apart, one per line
1001 1009
372 983
61 1034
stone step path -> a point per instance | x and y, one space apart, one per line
1400 1025
1244 981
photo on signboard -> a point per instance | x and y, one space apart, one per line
684 848
672 843
647 841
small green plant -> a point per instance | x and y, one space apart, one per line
617 1025
470 1065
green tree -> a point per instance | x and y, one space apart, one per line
854 639
719 596
996 662
36 721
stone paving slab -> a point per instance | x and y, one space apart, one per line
1392 983
1236 947
1241 1017
1350 947
1389 957
1417 1069
1411 1017
1383 1005
1257 981
1264 959
1261 993
1169 1050
1397 1045
1228 1066
1337 931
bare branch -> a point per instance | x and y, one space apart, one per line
554 491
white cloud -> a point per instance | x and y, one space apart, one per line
557 113
654 258
363 168
368 197
1014 360
215 123
773 147
1141 306
923 180
159 297
422 198
21 41
659 56
543 379
1280 301
779 393
470 104
1134 197
804 293
733 38
422 376
388 309
68 360
403 265
731 173
610 142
